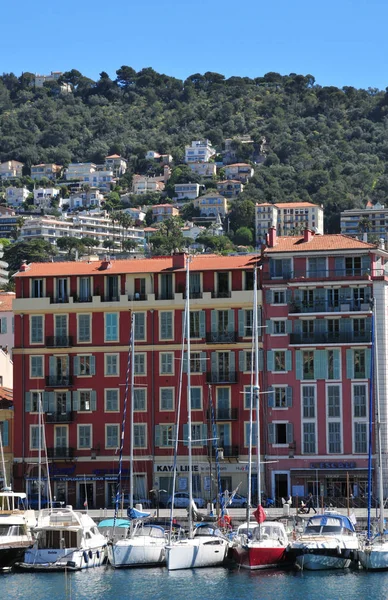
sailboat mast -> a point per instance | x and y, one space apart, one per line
131 423
3 462
249 499
256 384
189 396
378 423
40 453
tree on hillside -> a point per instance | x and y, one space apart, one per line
36 250
242 214
71 245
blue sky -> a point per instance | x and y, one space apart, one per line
340 42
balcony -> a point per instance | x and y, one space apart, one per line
221 337
59 341
356 273
222 294
60 453
110 298
59 299
325 307
299 339
164 296
137 297
59 417
57 381
82 298
225 414
229 451
193 295
221 377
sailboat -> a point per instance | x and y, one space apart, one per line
205 545
259 544
374 553
145 542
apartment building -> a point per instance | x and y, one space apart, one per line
186 191
368 223
11 169
72 327
117 164
46 170
204 169
199 151
288 218
161 212
211 205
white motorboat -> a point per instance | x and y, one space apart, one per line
206 548
15 528
329 541
144 547
65 539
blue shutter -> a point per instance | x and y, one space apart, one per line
93 365
289 433
259 321
202 323
365 265
52 365
28 402
269 297
4 325
337 363
288 296
232 363
213 321
231 321
298 326
93 400
214 362
76 365
157 435
261 360
268 326
241 323
289 396
350 364
51 402
75 400
271 397
5 434
68 401
320 364
185 434
288 360
346 325
185 362
241 361
288 326
270 360
271 433
298 365
202 357
204 434
46 401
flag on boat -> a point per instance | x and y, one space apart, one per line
259 514
86 504
352 518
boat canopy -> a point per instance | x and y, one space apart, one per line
329 523
133 513
111 523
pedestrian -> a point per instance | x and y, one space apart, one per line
310 503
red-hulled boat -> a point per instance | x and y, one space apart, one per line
261 545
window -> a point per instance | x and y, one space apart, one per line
279 297
359 364
353 265
280 360
249 278
140 363
333 402
280 397
140 327
334 435
195 324
37 288
360 438
197 438
309 438
280 433
196 398
247 434
61 326
84 328
84 436
84 367
111 364
111 327
112 400
307 327
166 398
164 435
333 356
140 399
195 362
279 327
359 401
139 435
111 436
84 289
166 325
35 399
3 325
248 323
36 366
308 364
359 327
61 403
280 267
36 329
34 437
308 401
166 363
85 401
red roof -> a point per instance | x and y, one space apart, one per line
239 165
208 262
6 299
6 394
114 156
318 242
295 205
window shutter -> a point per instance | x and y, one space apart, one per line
92 365
320 364
52 365
261 360
289 433
271 397
365 265
185 434
339 265
269 297
4 326
336 363
214 362
346 325
288 326
271 433
269 326
157 435
163 325
204 434
75 400
76 365
289 396
28 402
288 296
46 401
68 401
241 323
288 360
202 357
259 321
202 324
298 326
5 433
51 402
185 362
230 321
298 365
270 360
367 362
350 364
241 361
93 400
214 321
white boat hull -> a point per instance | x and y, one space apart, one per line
374 558
136 553
195 553
60 559
320 562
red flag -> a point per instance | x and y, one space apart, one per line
259 514
85 503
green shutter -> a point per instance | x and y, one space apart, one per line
185 434
202 358
157 435
51 402
298 365
213 321
93 400
289 396
346 325
4 325
269 297
68 401
271 397
93 365
337 363
202 323
241 361
271 433
231 321
270 360
28 401
288 360
298 326
261 360
350 364
46 401
232 362
320 364
365 265
204 434
76 365
268 326
185 362
288 326
289 433
5 433
241 323
52 365
75 400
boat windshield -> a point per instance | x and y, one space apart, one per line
155 532
6 530
324 525
265 532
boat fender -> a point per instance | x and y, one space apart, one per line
86 558
224 521
338 550
98 554
90 554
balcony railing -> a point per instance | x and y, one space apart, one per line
60 452
82 298
225 414
229 451
165 296
221 377
137 297
59 417
59 341
59 299
221 337
194 295
222 294
345 306
331 338
57 381
110 298
324 274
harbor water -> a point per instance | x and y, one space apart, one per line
201 584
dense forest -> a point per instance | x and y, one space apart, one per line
323 144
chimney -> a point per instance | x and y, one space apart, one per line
272 237
307 235
382 244
178 260
23 266
105 263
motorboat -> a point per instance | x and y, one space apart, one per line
144 546
65 539
260 545
208 547
329 541
15 528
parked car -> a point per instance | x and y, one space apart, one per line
181 500
237 502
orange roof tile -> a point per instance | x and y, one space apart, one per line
208 262
295 204
239 165
6 394
318 242
6 299
114 156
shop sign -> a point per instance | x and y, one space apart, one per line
333 465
